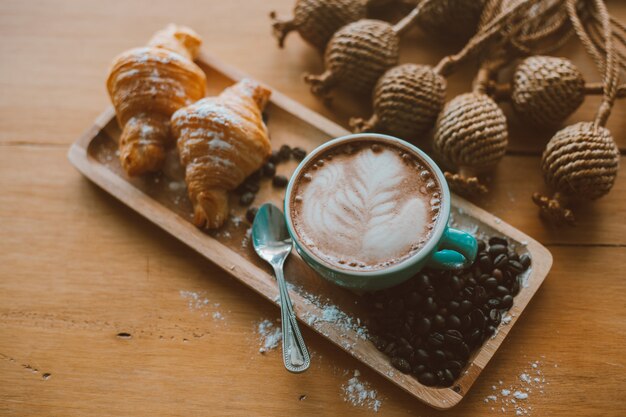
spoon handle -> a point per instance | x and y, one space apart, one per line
295 354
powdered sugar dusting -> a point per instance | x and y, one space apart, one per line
360 394
197 301
270 335
516 397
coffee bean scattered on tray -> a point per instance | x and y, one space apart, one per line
251 214
280 181
430 325
247 191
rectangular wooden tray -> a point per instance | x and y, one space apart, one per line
162 199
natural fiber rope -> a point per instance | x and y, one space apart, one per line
582 160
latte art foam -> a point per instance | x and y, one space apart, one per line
365 206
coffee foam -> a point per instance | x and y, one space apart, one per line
365 206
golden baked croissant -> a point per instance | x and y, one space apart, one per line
146 86
221 141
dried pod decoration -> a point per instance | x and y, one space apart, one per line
582 160
408 98
359 53
546 90
471 135
456 19
317 20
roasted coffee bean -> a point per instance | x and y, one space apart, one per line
475 337
480 295
454 367
453 305
493 303
490 331
439 322
490 283
298 153
495 250
422 326
502 290
453 337
507 302
466 322
435 339
500 261
418 369
481 245
465 307
284 152
246 198
471 281
427 378
422 281
413 300
438 356
482 278
280 181
513 256
498 241
269 170
447 378
390 349
525 260
468 292
251 214
274 158
453 322
495 316
445 293
251 187
497 274
456 283
255 176
485 263
421 356
478 318
515 267
401 365
515 288
462 351
429 305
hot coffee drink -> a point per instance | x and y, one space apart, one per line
365 205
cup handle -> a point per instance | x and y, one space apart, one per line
456 250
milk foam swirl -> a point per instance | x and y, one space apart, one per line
364 209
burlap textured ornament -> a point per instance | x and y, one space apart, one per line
407 100
317 20
582 160
470 135
546 90
451 18
356 56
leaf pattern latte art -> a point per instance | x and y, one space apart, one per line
356 209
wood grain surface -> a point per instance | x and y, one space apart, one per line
77 267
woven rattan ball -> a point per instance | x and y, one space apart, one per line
471 132
451 18
581 161
547 90
407 100
356 56
317 20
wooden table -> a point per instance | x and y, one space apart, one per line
77 268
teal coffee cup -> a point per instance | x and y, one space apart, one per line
443 248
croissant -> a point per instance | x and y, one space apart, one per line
147 85
221 141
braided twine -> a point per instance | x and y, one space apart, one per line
582 160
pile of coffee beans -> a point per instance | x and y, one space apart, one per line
250 187
430 325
